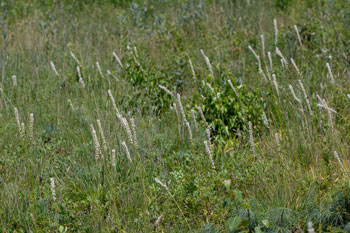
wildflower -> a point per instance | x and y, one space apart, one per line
31 125
54 68
127 151
117 58
207 148
104 143
251 139
53 191
96 143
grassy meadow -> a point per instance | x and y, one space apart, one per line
175 116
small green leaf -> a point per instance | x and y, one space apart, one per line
246 205
266 223
233 223
258 230
238 194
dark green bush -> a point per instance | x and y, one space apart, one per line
228 114
145 82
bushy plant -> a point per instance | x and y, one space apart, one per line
227 112
145 83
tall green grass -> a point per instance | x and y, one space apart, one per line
174 116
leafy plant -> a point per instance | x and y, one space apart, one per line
228 113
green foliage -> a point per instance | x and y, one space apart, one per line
145 82
285 176
228 114
335 213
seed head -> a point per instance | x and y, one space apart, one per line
54 68
31 125
207 148
81 81
127 151
117 58
113 158
53 191
104 143
251 139
14 80
192 69
96 143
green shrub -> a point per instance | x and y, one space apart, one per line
145 83
228 114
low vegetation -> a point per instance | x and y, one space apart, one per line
175 116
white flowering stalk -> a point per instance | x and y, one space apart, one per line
178 118
268 73
192 69
279 53
261 72
330 72
233 88
110 74
181 108
104 143
96 143
31 125
113 103
294 95
127 151
348 95
99 69
133 128
203 117
189 130
14 80
278 142
324 105
274 81
23 129
81 81
207 131
251 139
70 104
282 63
162 184
54 68
210 88
298 35
53 190
256 56
339 161
127 129
266 122
262 45
166 90
305 96
113 158
135 51
75 58
253 52
270 59
276 31
295 66
207 148
310 228
158 221
117 58
18 122
208 63
194 118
